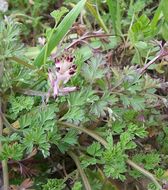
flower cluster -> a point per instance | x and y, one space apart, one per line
60 74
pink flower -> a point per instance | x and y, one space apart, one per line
60 74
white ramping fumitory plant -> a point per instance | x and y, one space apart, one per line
60 74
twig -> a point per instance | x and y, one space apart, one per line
4 162
162 54
82 173
149 64
86 37
105 144
31 92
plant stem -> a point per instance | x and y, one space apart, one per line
4 162
162 53
87 131
87 37
97 16
25 64
105 144
82 173
22 62
145 67
145 173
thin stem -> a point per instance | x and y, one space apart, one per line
31 92
144 172
105 144
162 54
81 171
87 131
148 64
25 64
4 162
8 125
96 14
87 37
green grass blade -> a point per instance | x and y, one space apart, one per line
97 16
157 15
114 9
60 32
164 6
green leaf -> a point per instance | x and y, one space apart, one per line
129 115
118 127
98 181
149 161
138 103
114 9
60 32
70 137
137 130
77 186
126 141
87 52
53 184
141 45
58 14
142 29
152 186
14 151
164 9
67 141
79 98
46 114
36 137
94 69
135 7
157 15
94 149
100 107
20 103
88 161
75 114
110 141
164 30
94 11
115 165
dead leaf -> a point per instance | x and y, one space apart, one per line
16 124
26 184
31 2
14 187
33 153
